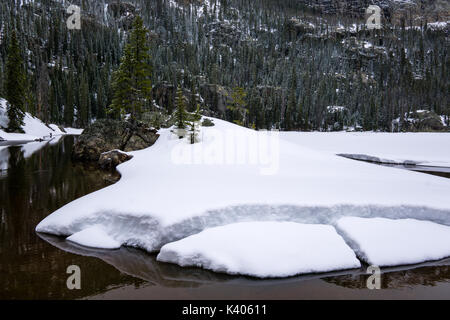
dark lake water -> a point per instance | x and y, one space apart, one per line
40 178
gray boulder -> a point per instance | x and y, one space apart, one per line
106 135
111 159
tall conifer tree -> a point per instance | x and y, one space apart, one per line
180 113
15 86
131 82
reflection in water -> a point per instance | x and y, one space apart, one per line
30 190
35 268
4 159
425 274
142 265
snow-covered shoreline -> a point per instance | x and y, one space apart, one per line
34 128
169 191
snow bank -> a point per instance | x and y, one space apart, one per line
33 127
263 249
172 189
95 237
73 131
427 149
387 242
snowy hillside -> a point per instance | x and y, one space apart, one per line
173 190
34 128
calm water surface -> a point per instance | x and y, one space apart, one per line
38 178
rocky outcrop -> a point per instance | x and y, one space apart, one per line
425 120
106 135
421 120
111 159
123 12
216 97
392 10
164 94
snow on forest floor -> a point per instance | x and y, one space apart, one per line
34 128
173 190
427 149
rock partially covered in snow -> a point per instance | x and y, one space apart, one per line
106 135
388 242
111 159
263 249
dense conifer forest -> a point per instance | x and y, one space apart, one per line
289 65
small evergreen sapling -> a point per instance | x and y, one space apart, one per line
180 113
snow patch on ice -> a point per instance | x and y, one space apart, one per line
94 237
263 249
388 242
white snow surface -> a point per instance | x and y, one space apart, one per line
73 131
94 237
33 127
162 198
263 249
388 242
429 149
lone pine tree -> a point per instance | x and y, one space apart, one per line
237 108
289 115
15 86
180 112
131 82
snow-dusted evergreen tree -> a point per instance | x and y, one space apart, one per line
238 106
15 86
131 82
180 112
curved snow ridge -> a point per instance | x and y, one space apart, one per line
139 231
146 232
